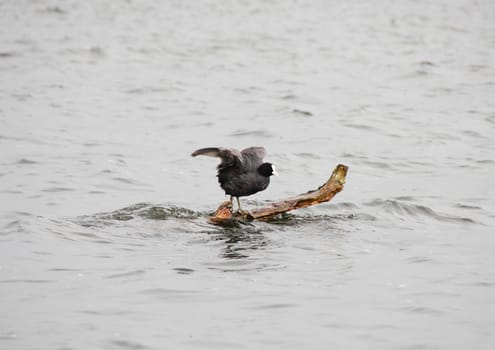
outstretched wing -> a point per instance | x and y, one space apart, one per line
229 156
254 155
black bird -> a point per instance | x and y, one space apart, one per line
240 173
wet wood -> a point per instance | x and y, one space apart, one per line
335 184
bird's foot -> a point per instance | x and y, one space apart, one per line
244 214
226 216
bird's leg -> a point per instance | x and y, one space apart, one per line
231 201
238 204
244 213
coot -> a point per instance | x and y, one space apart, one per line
242 173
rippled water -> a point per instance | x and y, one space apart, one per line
104 238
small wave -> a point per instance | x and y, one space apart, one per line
6 54
340 206
26 161
126 274
140 210
418 259
28 281
472 133
15 226
423 310
415 210
255 133
97 51
54 9
11 191
378 165
485 161
308 155
57 189
274 306
289 97
167 293
292 219
127 181
405 198
183 270
244 265
467 206
128 344
361 127
302 112
146 90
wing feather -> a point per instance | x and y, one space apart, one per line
256 154
229 156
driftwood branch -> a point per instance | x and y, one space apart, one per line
324 193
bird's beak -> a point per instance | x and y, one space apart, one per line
274 172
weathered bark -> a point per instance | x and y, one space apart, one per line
335 184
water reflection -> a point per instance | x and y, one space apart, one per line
239 243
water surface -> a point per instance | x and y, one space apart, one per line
104 237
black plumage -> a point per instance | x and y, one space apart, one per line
242 173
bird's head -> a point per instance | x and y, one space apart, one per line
267 169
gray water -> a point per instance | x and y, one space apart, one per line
105 242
